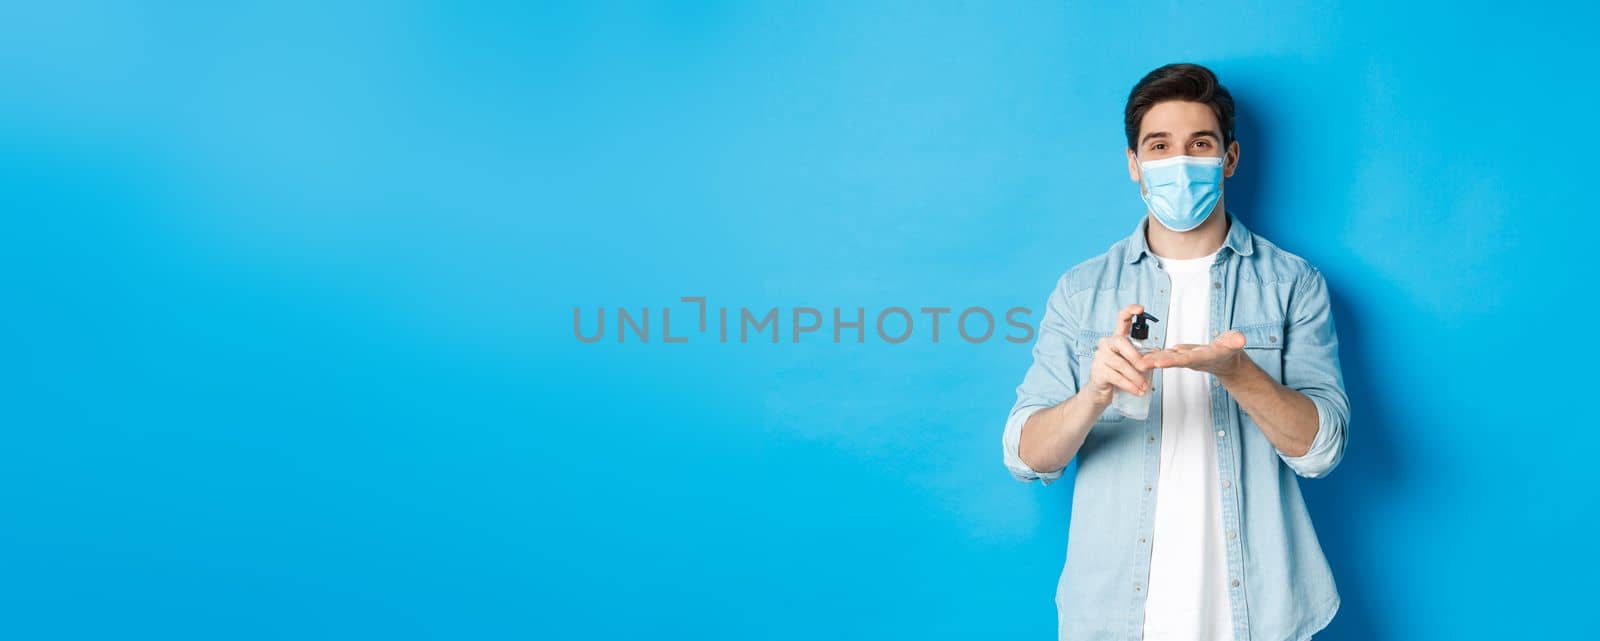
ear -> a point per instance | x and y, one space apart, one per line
1133 166
1230 161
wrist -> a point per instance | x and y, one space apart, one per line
1092 399
1240 369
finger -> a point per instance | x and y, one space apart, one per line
1121 366
1115 354
1118 380
1124 348
1231 339
1125 317
1168 358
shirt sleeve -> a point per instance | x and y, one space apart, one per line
1311 367
1051 379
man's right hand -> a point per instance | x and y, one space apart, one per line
1052 436
1117 364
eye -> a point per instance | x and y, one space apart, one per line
1203 144
1160 146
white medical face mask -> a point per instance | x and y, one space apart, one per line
1181 191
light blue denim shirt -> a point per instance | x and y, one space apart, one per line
1281 587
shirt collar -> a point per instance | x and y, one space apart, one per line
1239 239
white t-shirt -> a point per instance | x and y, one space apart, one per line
1188 587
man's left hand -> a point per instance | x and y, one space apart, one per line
1222 357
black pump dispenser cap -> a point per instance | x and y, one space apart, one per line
1141 331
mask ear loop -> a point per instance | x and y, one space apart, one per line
1144 188
1222 177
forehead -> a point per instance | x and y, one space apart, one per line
1179 118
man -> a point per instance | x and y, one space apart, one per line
1187 524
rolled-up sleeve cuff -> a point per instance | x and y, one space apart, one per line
1013 449
1325 449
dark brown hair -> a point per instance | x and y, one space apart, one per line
1182 81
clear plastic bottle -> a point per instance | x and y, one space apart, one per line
1132 405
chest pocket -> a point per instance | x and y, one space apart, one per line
1263 343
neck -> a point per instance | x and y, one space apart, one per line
1195 243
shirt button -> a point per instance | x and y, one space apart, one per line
1272 339
1235 583
1137 587
1216 286
1227 483
1152 439
1233 535
1147 488
1141 540
1221 434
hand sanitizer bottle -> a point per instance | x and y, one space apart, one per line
1132 405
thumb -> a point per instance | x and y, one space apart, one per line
1231 339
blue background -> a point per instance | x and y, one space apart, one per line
288 298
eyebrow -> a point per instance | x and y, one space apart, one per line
1203 133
